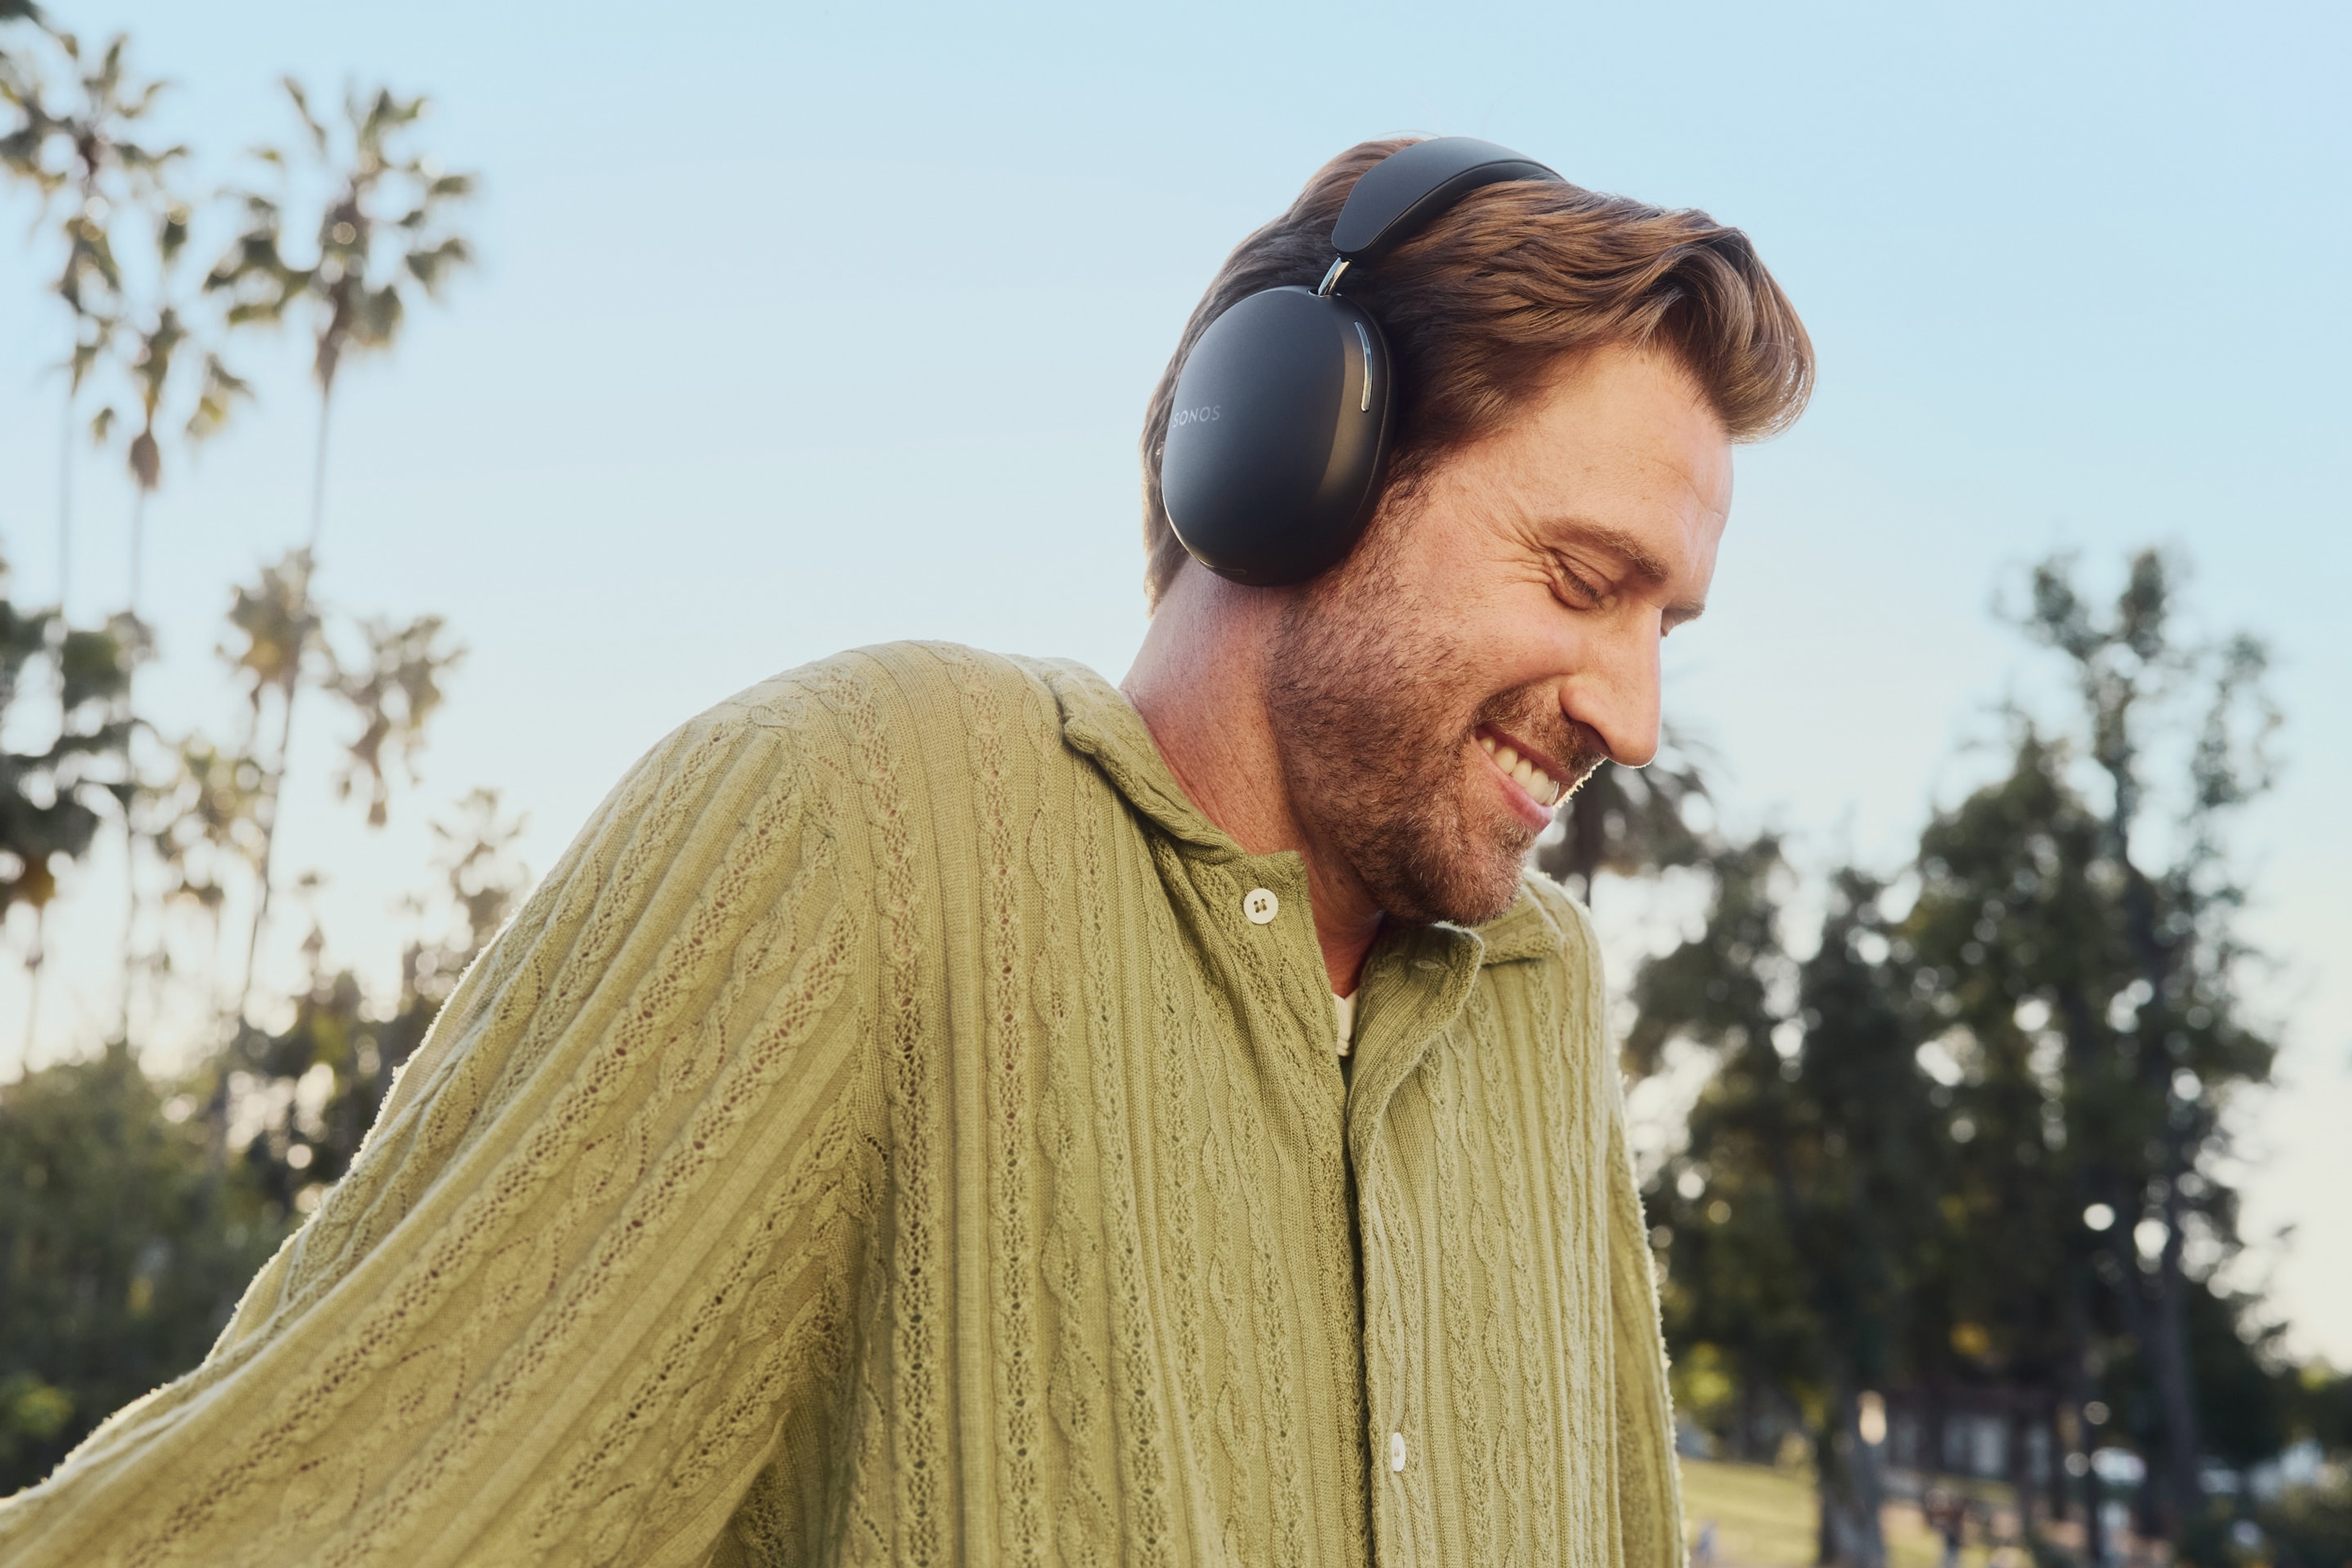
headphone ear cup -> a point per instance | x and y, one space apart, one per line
1275 446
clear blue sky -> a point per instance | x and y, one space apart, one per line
812 325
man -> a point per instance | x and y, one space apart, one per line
943 1108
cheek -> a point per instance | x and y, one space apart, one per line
1527 637
1493 604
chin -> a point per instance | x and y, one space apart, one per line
1499 891
1465 881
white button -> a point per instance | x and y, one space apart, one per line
1260 905
1396 1452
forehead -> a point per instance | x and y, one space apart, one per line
1623 432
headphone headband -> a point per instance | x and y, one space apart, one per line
1397 196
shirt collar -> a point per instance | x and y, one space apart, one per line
1100 722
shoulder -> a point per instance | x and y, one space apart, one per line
886 704
877 687
883 737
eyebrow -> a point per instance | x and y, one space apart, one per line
1645 562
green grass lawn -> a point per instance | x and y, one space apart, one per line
1764 1518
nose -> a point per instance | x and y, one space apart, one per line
1614 694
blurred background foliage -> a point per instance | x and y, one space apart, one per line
1954 1195
1950 1214
135 1203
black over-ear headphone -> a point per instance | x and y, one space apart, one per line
1283 410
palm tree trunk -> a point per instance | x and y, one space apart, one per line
130 764
2175 1385
2017 1452
65 505
129 867
319 470
34 963
129 907
269 830
138 544
2176 1485
286 712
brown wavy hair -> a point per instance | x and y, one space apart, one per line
1482 308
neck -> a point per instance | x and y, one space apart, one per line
1199 684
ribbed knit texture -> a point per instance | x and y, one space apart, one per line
884 1137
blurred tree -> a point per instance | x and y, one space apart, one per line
172 366
127 1221
127 1231
2311 1527
2177 729
383 231
119 1259
1808 1180
276 621
1629 821
339 1055
52 795
394 687
2014 960
201 826
2321 1408
82 155
169 368
394 692
138 325
1734 1295
2248 1393
2087 1030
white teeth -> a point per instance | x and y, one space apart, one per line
1539 783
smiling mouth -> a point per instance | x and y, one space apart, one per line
1541 787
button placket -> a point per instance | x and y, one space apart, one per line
1415 993
1269 894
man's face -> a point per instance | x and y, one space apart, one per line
1496 638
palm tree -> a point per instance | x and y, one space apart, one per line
384 233
80 150
168 354
50 795
163 339
83 154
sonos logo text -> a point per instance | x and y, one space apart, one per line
1205 414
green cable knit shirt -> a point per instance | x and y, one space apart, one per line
886 1136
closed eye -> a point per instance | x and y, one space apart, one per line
1575 590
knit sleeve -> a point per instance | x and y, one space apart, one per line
598 1239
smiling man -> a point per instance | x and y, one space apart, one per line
943 1108
1409 721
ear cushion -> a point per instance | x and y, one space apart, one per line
1273 452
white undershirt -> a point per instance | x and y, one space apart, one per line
1345 1006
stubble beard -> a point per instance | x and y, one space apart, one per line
1376 702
